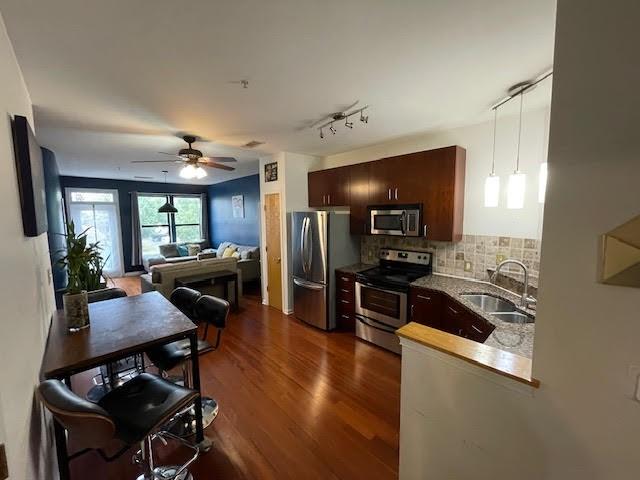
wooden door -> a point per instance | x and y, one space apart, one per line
359 197
273 248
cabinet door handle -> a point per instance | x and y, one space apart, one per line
345 301
345 316
424 298
389 192
424 230
453 310
345 291
328 199
396 193
412 306
344 279
476 329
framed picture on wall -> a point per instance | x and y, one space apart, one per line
271 172
237 206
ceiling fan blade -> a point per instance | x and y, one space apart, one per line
219 159
217 165
171 155
153 161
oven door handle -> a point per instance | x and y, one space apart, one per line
370 323
375 287
402 220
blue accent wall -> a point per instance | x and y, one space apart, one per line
124 188
222 226
55 216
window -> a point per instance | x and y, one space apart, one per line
160 228
97 212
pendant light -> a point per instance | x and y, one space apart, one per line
517 180
167 207
542 182
492 183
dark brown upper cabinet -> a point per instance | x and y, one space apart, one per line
329 188
359 197
433 178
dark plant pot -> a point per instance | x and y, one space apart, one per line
76 310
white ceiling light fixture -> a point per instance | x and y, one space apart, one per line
188 172
517 180
492 183
542 181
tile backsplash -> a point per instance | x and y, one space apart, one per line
470 258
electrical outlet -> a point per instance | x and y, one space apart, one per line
468 266
500 259
4 468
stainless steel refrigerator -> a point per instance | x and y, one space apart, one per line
321 242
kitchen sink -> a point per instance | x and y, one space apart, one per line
514 317
489 303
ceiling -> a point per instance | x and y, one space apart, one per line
117 81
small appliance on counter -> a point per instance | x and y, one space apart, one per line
320 242
398 220
382 295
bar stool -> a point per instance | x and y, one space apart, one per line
131 413
200 309
114 373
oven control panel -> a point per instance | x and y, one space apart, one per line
407 256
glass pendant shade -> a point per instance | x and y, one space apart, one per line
516 189
492 190
542 182
188 172
167 208
200 173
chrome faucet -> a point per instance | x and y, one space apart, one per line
525 300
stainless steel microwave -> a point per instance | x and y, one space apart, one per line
400 220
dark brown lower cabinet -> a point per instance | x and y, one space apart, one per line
437 310
345 301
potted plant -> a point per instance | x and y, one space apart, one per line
83 263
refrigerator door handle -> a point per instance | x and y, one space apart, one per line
309 285
302 244
309 246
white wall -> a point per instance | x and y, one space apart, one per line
292 187
583 422
26 296
478 141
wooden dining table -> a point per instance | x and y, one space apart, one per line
119 328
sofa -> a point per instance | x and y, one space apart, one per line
169 253
248 259
162 277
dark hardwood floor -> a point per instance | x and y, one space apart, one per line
295 403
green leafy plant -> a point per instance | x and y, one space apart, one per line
82 261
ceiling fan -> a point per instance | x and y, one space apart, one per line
193 160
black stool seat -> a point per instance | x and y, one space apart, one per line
143 404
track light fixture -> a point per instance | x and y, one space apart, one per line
343 116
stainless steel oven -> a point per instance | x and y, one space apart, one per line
385 306
400 220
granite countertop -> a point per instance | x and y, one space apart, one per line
355 268
514 338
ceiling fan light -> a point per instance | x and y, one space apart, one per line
200 173
188 172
